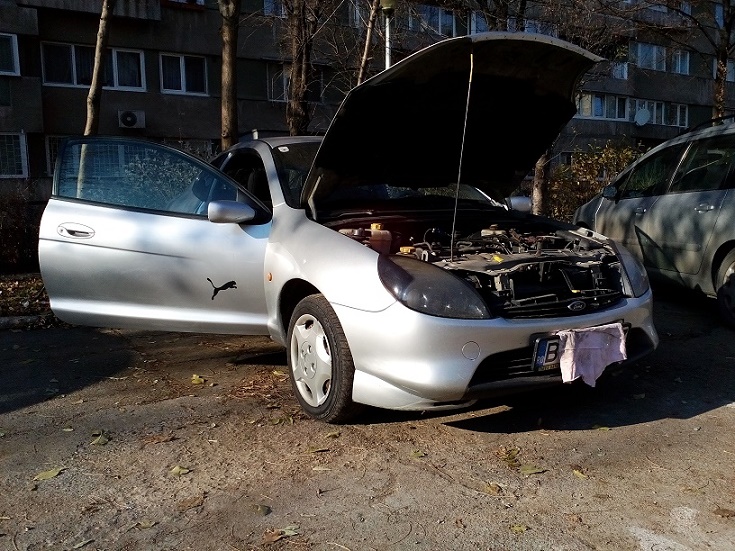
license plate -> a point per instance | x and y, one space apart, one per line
546 354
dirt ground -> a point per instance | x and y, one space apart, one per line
109 441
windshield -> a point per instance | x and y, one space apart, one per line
293 162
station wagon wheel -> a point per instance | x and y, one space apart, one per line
321 366
725 284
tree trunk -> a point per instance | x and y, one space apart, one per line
230 12
540 180
95 88
362 70
302 16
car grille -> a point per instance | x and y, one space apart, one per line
551 306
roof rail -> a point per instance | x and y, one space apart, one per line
711 122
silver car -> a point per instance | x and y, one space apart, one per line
674 209
381 257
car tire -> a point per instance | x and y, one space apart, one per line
725 285
320 362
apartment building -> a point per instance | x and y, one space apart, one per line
162 76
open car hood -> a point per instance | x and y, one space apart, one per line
405 126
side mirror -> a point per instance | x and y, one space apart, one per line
519 203
230 212
610 192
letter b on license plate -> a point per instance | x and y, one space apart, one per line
546 354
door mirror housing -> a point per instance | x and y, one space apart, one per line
230 212
610 192
519 203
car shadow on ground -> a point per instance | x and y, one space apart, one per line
41 364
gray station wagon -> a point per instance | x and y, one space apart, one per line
674 208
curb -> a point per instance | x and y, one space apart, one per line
14 322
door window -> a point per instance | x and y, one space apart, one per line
141 176
652 175
707 166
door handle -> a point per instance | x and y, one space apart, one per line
704 207
640 210
74 230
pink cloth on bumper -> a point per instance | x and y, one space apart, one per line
587 352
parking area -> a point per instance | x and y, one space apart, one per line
128 440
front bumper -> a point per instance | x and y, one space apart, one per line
412 361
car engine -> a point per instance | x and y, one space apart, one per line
534 272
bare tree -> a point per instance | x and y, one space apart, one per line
230 12
95 88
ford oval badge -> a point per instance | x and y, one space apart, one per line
577 305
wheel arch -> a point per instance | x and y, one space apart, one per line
293 292
718 258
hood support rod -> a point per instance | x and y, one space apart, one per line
461 156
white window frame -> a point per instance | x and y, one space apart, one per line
14 55
115 74
23 152
478 23
619 70
274 8
659 112
656 55
730 70
182 74
278 78
53 143
680 62
594 105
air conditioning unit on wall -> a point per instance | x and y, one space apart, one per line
131 119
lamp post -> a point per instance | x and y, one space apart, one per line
388 7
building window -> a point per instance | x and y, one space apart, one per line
183 74
532 26
602 106
478 23
680 62
433 19
72 65
53 143
9 55
730 70
619 70
650 56
274 8
13 156
719 15
353 14
278 78
659 112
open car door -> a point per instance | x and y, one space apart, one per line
125 241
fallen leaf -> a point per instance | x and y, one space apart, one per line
279 373
147 523
600 427
494 489
272 536
579 474
68 429
82 544
51 473
318 468
262 510
100 438
510 456
191 502
418 454
158 439
724 513
333 434
518 528
527 470
197 380
317 450
179 471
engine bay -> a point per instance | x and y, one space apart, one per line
522 268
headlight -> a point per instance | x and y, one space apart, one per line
431 290
637 279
